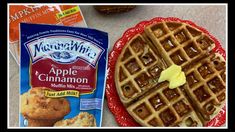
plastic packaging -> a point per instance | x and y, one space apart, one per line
62 75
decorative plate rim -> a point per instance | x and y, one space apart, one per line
122 117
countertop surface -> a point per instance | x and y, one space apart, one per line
211 17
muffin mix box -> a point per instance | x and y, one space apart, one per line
67 15
62 76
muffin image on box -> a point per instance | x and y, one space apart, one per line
40 110
83 119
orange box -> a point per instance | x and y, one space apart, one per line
67 15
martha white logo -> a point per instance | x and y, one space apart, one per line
64 49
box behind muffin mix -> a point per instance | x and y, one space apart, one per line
62 76
56 14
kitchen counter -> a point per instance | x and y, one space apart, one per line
211 17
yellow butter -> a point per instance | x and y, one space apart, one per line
174 75
177 80
169 73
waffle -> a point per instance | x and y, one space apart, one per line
147 54
179 43
164 107
138 70
206 85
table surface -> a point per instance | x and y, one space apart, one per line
211 17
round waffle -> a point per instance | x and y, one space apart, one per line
144 57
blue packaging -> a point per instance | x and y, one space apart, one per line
62 76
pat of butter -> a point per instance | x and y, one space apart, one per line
174 75
177 80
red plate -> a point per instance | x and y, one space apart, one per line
116 107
